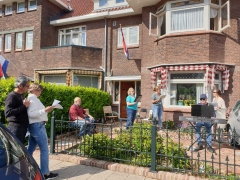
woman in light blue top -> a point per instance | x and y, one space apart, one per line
157 106
131 108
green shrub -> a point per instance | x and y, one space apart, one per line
134 147
169 124
92 98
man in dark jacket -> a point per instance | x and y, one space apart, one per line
16 108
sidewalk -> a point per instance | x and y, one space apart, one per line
73 171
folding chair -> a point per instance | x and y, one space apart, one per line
108 114
142 115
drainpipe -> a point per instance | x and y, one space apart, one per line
105 55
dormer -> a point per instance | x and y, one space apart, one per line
108 4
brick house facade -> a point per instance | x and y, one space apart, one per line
198 47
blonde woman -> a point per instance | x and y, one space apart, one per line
131 107
37 114
220 110
157 106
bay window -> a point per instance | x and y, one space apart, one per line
72 36
86 81
190 15
55 79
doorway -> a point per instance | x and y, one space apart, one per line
125 85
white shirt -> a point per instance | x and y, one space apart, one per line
36 110
221 112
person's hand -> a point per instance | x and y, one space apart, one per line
26 102
49 109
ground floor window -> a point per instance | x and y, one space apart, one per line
86 81
55 79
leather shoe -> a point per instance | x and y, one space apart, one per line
199 147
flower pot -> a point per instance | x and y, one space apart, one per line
180 103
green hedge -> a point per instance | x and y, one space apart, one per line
92 98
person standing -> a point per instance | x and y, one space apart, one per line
16 108
37 114
220 109
157 106
131 108
208 126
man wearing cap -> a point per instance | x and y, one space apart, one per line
208 126
16 108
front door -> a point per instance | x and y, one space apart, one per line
124 88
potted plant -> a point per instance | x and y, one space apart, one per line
180 102
186 102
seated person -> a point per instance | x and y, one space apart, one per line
208 126
80 118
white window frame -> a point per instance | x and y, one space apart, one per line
20 10
8 9
18 40
55 75
34 7
0 12
166 100
28 46
127 36
8 41
167 9
90 75
80 36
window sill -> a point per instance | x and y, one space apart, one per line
28 49
7 51
8 14
189 33
18 50
185 109
128 46
20 12
29 10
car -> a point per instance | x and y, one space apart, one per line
233 126
15 161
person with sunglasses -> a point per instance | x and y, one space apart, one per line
208 127
220 109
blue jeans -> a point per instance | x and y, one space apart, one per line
131 115
84 127
157 113
38 136
208 132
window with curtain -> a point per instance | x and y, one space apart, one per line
73 36
7 42
131 35
187 19
86 81
18 45
32 4
189 15
29 39
21 7
8 10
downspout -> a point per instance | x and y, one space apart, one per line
105 55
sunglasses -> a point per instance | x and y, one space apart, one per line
202 99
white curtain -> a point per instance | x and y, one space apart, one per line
199 88
187 19
160 21
213 12
173 94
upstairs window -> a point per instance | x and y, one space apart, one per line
73 36
7 42
32 4
189 15
18 45
103 3
8 10
29 40
20 7
131 36
119 1
0 11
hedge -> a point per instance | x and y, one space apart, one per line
92 98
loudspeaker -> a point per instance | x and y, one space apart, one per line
202 110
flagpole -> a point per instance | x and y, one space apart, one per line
11 63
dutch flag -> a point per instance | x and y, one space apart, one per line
3 66
124 46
